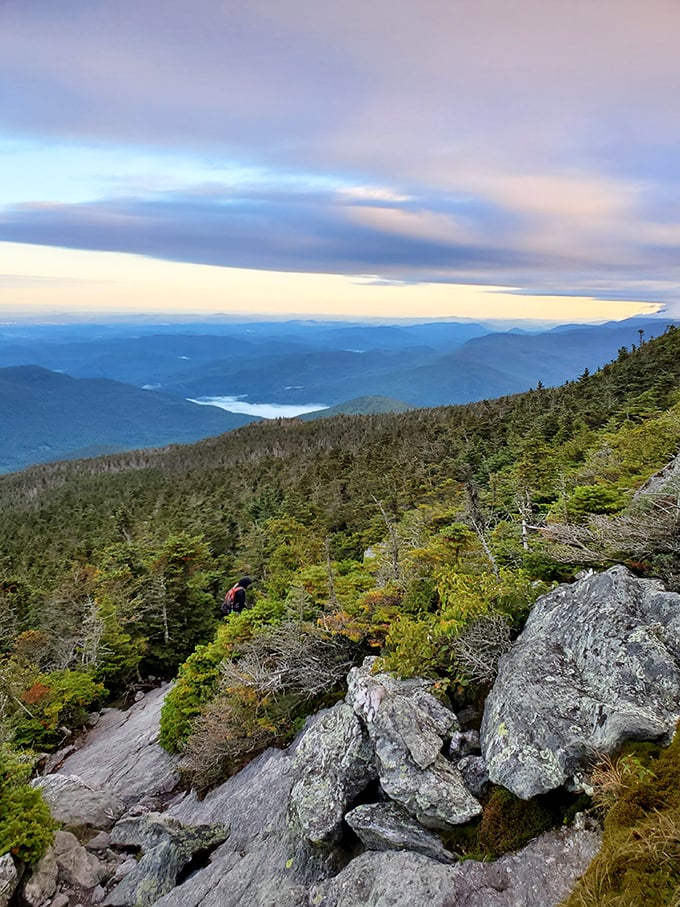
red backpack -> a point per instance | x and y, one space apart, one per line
229 599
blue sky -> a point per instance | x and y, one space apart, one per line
433 158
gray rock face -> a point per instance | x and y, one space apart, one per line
333 764
597 663
407 726
141 768
76 865
75 804
386 826
540 875
9 879
167 847
42 883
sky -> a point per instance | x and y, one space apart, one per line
391 158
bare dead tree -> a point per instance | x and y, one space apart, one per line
332 597
480 645
393 540
651 528
292 658
479 524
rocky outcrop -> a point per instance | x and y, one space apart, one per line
351 814
540 875
141 769
597 663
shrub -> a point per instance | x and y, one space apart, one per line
281 675
26 826
198 677
54 701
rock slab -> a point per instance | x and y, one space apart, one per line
141 768
78 805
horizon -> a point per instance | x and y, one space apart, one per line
200 319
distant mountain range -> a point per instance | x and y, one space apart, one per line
47 416
135 381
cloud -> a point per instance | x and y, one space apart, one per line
533 145
436 239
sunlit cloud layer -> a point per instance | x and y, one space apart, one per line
532 147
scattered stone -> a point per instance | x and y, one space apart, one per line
101 841
475 775
333 764
60 900
407 726
41 885
386 826
76 866
98 894
78 805
9 879
463 743
598 663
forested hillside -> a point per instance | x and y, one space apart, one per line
423 537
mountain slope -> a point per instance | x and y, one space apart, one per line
359 406
48 416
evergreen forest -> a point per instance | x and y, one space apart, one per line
422 537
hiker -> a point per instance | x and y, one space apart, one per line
235 599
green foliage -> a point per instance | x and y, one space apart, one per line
53 701
26 826
586 499
413 648
424 644
198 677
